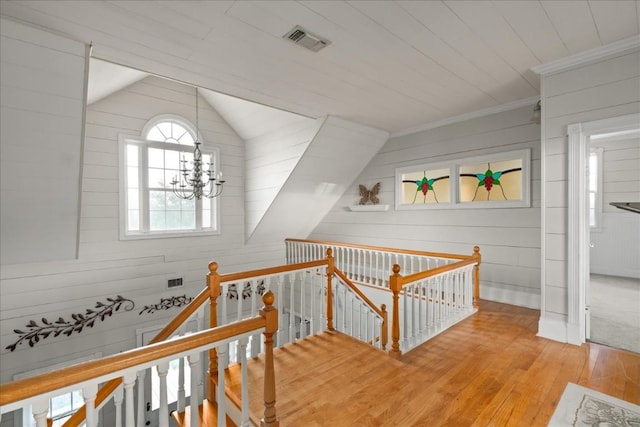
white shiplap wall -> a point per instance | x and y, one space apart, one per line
42 79
605 88
509 238
135 269
616 245
270 158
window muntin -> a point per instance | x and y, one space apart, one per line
150 208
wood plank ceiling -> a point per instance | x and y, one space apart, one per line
393 65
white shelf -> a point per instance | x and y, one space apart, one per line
369 208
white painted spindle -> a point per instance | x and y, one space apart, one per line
141 403
163 411
89 392
118 397
40 410
220 395
244 417
181 391
194 399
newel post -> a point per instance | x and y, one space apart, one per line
395 284
330 271
213 283
476 277
270 315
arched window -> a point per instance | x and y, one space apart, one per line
150 163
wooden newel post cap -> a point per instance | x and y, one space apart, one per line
213 267
268 298
383 307
329 252
396 269
476 249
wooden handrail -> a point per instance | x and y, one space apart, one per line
382 249
355 289
110 386
231 277
436 271
95 369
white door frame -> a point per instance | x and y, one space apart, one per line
579 135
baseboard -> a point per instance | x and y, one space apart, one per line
552 329
511 295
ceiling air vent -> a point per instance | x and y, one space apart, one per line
304 38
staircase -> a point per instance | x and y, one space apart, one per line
313 320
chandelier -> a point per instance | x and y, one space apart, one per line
197 182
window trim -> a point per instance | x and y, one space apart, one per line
126 139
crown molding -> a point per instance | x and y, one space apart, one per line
468 116
588 56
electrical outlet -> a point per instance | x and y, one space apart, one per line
174 283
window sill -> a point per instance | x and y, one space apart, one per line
168 235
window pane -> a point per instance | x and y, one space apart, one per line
172 159
156 178
501 180
61 404
156 158
132 177
592 218
173 202
133 202
170 175
178 132
157 221
165 128
593 172
187 139
174 220
188 220
133 220
157 200
189 205
155 135
425 187
206 218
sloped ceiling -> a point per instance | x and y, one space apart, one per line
392 65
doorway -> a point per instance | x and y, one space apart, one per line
614 256
578 226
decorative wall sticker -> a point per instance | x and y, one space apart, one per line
369 195
166 304
246 291
37 332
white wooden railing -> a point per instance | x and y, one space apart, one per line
370 265
89 376
435 291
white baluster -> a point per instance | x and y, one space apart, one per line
89 392
292 305
40 410
140 422
240 287
280 307
303 291
181 391
163 412
220 391
129 381
194 399
118 397
244 418
224 297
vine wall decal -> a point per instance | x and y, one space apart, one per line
101 311
166 304
246 291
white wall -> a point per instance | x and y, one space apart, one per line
135 269
602 89
42 98
509 238
270 159
615 247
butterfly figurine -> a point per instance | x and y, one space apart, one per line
369 195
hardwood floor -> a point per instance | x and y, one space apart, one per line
489 370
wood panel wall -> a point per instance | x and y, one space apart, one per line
42 97
135 269
606 88
509 238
